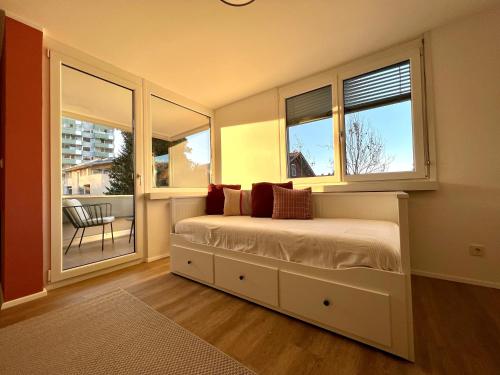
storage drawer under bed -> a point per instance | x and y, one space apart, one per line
357 311
192 263
248 279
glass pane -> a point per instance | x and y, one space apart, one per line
160 162
180 146
190 160
97 161
380 139
310 149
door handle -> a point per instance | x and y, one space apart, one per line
139 177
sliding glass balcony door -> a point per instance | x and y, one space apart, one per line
96 170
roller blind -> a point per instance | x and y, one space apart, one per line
382 86
312 105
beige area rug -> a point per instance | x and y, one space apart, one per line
112 334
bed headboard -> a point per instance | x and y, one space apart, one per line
363 205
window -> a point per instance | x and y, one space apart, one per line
363 121
309 133
378 121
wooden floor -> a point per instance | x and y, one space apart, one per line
457 326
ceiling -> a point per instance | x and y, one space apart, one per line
215 54
89 98
94 98
170 120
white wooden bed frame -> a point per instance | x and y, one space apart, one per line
368 305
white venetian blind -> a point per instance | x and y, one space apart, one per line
387 85
309 106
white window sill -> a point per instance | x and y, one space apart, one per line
400 185
167 193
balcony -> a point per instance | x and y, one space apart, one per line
104 145
101 154
69 161
71 131
90 249
102 135
71 150
66 141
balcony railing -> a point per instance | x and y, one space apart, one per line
103 144
71 131
101 154
69 161
66 141
102 135
71 150
122 205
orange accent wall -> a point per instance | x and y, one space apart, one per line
21 149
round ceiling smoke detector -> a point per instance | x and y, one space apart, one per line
237 3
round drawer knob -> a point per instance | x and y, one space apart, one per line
242 277
326 302
189 262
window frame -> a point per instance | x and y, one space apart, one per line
58 56
149 89
327 78
413 53
424 175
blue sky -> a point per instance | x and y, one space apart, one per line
315 141
392 123
118 141
199 144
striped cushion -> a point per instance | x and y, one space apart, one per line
292 204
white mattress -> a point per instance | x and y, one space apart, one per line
324 243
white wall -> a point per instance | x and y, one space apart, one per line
247 140
157 229
466 208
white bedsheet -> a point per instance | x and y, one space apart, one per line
324 243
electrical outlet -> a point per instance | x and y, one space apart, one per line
476 250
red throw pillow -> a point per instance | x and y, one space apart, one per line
262 198
292 204
215 198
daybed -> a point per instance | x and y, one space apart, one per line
347 270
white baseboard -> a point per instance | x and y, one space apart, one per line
76 279
458 279
158 257
18 301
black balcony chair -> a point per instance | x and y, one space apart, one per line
83 216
